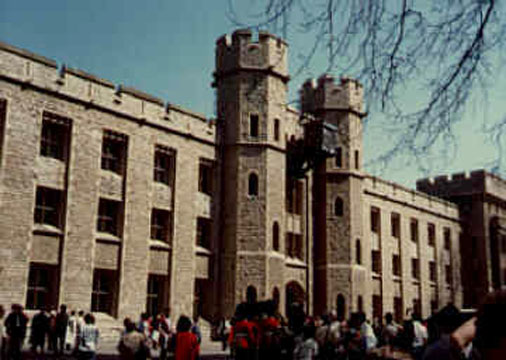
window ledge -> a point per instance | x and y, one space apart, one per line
107 237
153 243
47 229
376 275
199 250
396 278
294 262
415 281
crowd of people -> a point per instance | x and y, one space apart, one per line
258 332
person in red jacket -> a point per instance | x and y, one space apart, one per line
270 333
186 343
242 337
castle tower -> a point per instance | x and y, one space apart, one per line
339 276
251 84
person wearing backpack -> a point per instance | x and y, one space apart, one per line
270 330
242 337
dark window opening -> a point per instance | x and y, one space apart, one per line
204 232
55 136
415 268
339 157
338 207
376 261
276 129
417 307
447 238
42 292
375 220
431 234
49 207
251 295
294 246
398 313
253 126
360 303
109 215
161 225
377 307
396 265
448 274
163 171
357 160
395 222
157 294
253 185
294 194
414 230
103 296
206 177
275 236
358 252
432 271
114 150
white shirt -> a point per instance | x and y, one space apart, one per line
421 335
306 350
88 338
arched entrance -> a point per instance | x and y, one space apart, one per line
294 294
251 295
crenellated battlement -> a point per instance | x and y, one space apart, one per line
327 94
29 69
240 52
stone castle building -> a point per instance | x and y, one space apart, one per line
113 201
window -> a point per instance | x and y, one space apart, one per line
253 184
415 268
395 223
276 129
360 303
156 294
55 136
204 233
447 238
42 286
103 295
48 207
413 225
396 265
160 225
417 307
358 252
398 314
448 274
253 126
339 157
377 307
431 234
294 246
376 261
163 171
114 149
432 271
375 220
338 207
109 215
294 195
357 160
275 236
206 176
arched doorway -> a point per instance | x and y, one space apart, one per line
294 294
341 307
251 295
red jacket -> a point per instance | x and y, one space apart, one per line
187 346
242 335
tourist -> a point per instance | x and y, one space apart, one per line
196 328
132 345
62 322
52 332
39 330
242 338
163 327
185 342
420 336
269 347
2 333
367 333
389 333
307 349
87 339
15 326
70 338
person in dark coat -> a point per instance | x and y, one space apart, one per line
15 326
39 330
62 322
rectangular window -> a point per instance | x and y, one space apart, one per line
103 296
109 215
447 238
417 306
376 261
160 225
164 165
448 274
49 207
253 125
395 221
204 233
432 271
357 159
114 150
414 230
42 292
375 220
294 195
276 129
299 253
55 136
398 313
377 307
415 268
396 265
431 234
339 157
157 294
206 176
294 245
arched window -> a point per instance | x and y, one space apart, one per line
253 185
341 307
276 129
358 252
275 236
338 207
251 295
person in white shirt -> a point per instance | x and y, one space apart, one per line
87 339
420 336
306 348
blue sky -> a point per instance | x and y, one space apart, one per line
166 48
